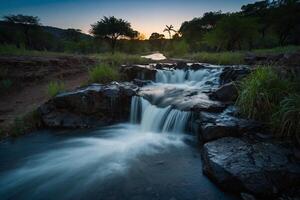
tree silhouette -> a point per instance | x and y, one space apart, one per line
112 28
26 22
156 36
169 29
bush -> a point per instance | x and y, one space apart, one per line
261 92
55 88
103 74
178 48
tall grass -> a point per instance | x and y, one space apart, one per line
286 120
261 92
54 88
103 74
222 58
266 96
11 50
119 58
277 50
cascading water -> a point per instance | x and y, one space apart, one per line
189 77
155 119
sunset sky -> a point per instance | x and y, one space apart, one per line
145 16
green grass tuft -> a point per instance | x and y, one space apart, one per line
103 74
54 88
260 92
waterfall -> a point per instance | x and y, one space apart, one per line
153 118
190 77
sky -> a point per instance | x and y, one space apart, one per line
145 16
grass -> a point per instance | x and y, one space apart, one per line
29 122
118 59
11 50
265 96
54 88
222 58
236 57
103 73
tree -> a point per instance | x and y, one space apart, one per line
156 36
113 29
232 33
26 22
73 34
169 29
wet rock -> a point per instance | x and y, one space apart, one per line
263 169
181 65
93 105
234 73
288 59
226 93
142 72
141 83
246 196
212 131
196 66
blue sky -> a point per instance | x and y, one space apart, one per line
146 16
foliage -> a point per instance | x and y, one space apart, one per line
103 74
55 88
178 48
286 121
26 123
118 59
262 91
112 28
221 58
170 29
232 33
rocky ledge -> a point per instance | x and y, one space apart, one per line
91 106
264 169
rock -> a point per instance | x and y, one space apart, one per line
211 131
142 72
196 66
141 83
235 73
226 93
181 65
246 196
262 169
91 106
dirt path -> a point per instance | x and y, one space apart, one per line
20 102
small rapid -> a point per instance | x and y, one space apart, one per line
147 158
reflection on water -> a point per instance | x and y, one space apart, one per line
155 56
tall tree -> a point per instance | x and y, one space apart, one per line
170 29
26 22
113 29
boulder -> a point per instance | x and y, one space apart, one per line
226 93
234 73
142 72
238 165
90 106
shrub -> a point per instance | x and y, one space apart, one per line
55 88
261 92
103 74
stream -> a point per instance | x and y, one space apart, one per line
153 156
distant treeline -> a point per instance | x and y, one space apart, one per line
262 24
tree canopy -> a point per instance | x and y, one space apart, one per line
112 28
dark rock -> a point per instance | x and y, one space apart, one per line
181 65
196 66
141 83
93 105
142 72
262 169
211 131
235 73
226 93
246 196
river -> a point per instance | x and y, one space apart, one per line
153 156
